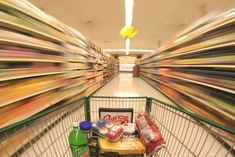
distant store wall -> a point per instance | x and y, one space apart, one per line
126 63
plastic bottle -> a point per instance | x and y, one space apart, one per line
78 142
86 128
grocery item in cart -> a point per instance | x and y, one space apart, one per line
101 123
86 128
115 132
103 131
125 146
128 128
78 142
108 130
109 125
149 133
116 115
94 146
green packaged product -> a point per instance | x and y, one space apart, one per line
78 142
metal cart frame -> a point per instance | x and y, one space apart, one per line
186 134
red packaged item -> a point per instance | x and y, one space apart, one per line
108 130
115 132
149 133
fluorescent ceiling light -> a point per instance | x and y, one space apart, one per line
128 42
130 50
128 20
129 11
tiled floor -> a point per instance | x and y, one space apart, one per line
125 85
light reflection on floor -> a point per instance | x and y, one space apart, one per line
125 85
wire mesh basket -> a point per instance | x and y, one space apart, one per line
186 134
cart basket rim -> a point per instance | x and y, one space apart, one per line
45 112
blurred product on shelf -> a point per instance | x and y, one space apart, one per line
44 62
196 68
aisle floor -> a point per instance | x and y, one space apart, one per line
124 85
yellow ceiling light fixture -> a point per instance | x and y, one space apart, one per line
128 31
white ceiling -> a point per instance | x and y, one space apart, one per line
155 20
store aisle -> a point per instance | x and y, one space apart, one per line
125 85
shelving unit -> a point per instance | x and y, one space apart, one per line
111 68
116 67
43 62
196 69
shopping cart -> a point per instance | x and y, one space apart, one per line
186 134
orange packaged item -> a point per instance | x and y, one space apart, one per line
124 146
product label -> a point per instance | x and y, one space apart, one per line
145 130
80 152
117 117
84 153
121 118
